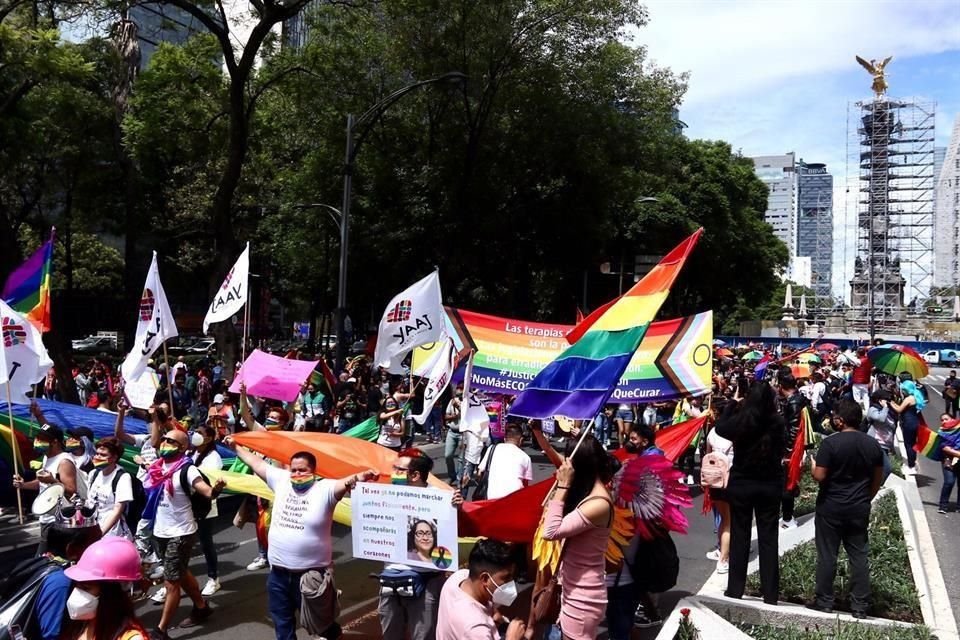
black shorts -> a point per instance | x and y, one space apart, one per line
175 556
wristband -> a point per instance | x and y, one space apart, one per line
560 486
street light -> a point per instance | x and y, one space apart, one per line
362 126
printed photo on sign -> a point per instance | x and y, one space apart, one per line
416 526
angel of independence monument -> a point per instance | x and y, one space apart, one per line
894 185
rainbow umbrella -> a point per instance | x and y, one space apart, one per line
752 355
809 357
894 359
800 371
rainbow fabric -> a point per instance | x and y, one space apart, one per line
27 288
582 378
930 442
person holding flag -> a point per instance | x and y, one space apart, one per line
155 325
792 406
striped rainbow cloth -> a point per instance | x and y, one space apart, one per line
930 442
27 288
581 379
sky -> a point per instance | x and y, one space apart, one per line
773 76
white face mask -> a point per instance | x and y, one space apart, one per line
504 594
82 605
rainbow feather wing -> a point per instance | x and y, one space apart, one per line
650 488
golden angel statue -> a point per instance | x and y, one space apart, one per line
876 70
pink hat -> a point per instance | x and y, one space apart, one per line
110 559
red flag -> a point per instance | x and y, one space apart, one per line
512 518
328 375
673 440
795 467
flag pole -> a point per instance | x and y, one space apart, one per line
166 364
13 449
246 325
586 431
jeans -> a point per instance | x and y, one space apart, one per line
433 424
950 406
621 605
852 532
419 615
602 425
749 497
908 427
205 529
283 601
949 481
450 448
345 424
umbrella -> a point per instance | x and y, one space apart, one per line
828 346
809 357
717 342
800 371
894 359
752 355
723 353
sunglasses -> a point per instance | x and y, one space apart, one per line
70 510
169 441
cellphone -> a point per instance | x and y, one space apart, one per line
15 633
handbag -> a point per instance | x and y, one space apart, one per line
480 493
545 603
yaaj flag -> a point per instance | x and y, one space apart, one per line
582 378
27 289
23 358
232 294
414 317
438 371
154 325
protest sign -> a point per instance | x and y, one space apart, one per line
415 526
273 377
142 391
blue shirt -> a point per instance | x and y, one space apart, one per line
51 604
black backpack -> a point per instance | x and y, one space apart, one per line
200 504
655 566
135 509
18 594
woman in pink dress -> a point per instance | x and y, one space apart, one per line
579 514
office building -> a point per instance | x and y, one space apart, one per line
946 216
815 226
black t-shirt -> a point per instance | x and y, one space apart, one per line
850 458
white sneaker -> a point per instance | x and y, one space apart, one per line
723 567
690 480
160 596
713 555
788 524
257 564
156 573
212 586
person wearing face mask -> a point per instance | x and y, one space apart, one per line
57 467
275 420
206 457
470 597
910 409
175 527
400 612
111 489
99 605
299 543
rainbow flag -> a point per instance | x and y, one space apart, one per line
27 288
930 442
581 379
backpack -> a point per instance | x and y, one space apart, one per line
136 507
922 388
655 565
480 493
714 470
18 594
200 504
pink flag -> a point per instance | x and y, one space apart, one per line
273 377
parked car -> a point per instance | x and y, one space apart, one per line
206 346
95 345
943 357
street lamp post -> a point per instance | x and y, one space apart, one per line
357 130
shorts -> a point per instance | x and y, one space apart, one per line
625 414
175 556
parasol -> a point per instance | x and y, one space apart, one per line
828 346
809 357
752 355
894 359
723 353
719 343
800 371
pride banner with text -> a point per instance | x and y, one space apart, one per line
674 359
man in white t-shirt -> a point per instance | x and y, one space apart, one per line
506 466
111 489
175 527
299 543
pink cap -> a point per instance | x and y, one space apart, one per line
110 559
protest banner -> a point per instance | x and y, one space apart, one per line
674 360
415 526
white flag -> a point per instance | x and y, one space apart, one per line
232 294
413 317
154 325
438 370
23 358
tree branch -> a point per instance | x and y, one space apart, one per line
270 82
221 32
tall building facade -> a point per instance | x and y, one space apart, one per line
815 226
946 216
779 173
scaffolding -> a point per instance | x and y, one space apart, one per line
893 269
